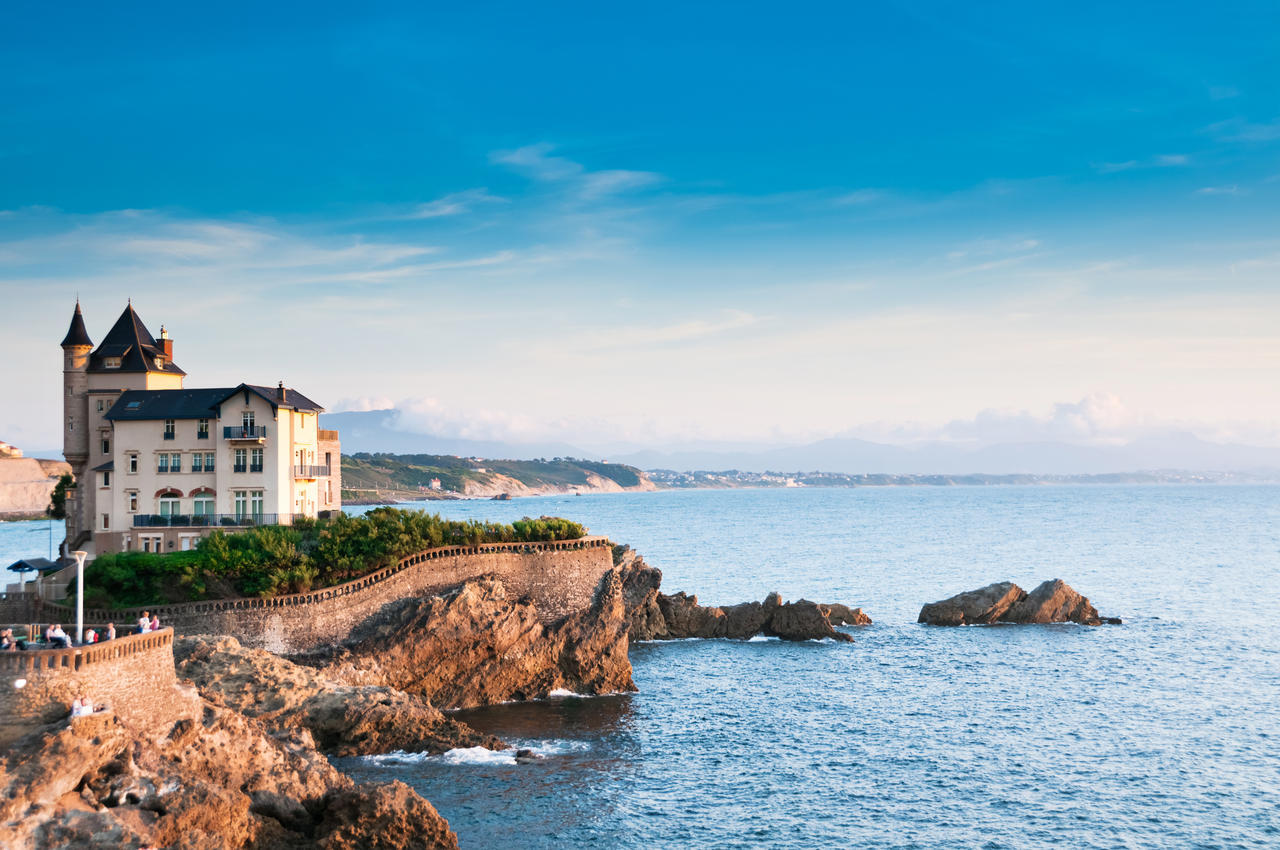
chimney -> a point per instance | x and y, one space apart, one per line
166 344
282 392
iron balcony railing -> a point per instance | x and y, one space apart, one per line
246 467
244 432
311 472
207 520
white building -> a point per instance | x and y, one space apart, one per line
157 465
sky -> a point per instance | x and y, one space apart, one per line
664 223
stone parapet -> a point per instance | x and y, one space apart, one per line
558 576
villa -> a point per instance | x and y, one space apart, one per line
158 465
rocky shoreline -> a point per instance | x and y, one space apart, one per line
246 764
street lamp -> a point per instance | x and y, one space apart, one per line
80 555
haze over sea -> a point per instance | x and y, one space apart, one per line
1160 732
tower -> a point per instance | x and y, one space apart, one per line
76 346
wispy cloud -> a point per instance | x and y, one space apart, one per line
1168 160
456 203
1243 130
1233 189
536 161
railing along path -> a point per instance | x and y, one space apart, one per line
78 657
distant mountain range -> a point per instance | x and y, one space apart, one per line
375 431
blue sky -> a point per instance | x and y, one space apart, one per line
736 221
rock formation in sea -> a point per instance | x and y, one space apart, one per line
654 615
1053 601
477 646
214 780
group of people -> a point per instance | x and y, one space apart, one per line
148 622
55 637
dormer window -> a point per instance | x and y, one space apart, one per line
111 362
160 361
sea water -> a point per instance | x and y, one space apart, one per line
1164 731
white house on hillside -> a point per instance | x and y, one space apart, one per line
158 465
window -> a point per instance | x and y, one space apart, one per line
197 462
133 464
255 460
101 405
202 429
328 459
71 424
255 504
242 462
111 362
106 446
328 492
106 479
203 505
133 501
170 429
168 506
162 462
160 361
242 503
106 521
175 462
246 420
208 461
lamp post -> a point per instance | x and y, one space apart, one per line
79 556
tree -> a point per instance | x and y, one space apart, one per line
58 498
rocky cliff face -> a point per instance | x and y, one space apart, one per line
1053 601
476 646
343 720
216 780
654 615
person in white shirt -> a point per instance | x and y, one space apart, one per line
81 707
57 637
144 622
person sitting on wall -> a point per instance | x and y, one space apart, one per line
58 638
144 623
7 642
81 707
111 631
90 636
155 622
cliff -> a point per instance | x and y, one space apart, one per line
26 483
476 645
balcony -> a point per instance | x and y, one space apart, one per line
311 472
250 467
207 520
244 432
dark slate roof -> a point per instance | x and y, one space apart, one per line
130 340
109 466
76 334
27 565
197 404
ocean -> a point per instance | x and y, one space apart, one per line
1161 732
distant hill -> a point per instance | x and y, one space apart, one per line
379 478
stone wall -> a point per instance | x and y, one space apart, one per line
134 676
560 577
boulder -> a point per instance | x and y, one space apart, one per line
843 615
802 620
1053 601
984 605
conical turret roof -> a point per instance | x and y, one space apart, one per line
130 341
76 334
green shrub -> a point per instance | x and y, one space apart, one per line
272 560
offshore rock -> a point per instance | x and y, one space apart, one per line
801 620
215 780
1053 601
476 646
843 615
343 720
640 583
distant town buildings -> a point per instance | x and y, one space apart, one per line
158 465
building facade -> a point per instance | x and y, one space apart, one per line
158 465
